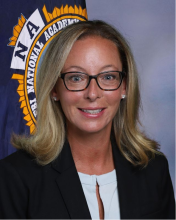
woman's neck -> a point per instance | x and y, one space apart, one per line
92 153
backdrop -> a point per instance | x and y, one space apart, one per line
149 27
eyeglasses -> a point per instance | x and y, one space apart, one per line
78 81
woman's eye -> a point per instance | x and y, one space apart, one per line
109 77
75 78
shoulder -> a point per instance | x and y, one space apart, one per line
19 164
158 163
20 174
156 173
157 166
156 184
18 159
158 160
155 176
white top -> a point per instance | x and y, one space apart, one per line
108 194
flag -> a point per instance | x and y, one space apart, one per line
26 28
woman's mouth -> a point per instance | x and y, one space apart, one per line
95 111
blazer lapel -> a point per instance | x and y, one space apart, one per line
70 186
127 180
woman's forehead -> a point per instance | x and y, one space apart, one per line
93 51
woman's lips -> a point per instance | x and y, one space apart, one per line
92 112
96 111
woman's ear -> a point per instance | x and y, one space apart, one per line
55 94
123 91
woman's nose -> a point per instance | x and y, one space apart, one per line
93 91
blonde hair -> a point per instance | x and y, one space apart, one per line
48 139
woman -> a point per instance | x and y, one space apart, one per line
87 157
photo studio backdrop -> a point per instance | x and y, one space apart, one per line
26 27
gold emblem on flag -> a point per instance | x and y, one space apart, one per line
27 53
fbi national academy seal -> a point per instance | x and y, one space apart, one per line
30 38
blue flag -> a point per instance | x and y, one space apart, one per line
26 29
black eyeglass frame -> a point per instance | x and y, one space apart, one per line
122 75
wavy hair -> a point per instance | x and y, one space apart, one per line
48 139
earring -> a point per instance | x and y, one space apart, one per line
54 98
123 96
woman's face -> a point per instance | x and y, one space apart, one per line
93 109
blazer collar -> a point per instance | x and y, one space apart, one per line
128 185
64 160
70 186
71 189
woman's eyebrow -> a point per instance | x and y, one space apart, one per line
79 68
74 67
111 65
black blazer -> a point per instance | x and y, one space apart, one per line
28 190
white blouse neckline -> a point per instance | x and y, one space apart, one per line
102 179
108 191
